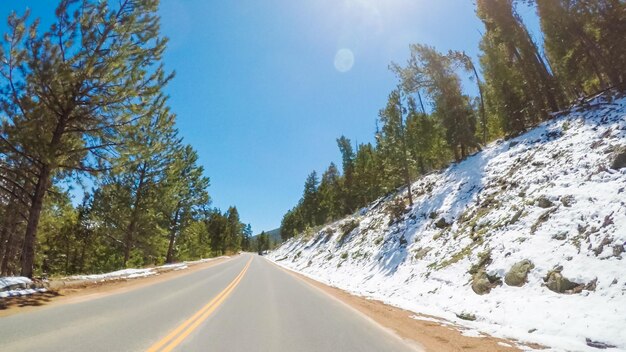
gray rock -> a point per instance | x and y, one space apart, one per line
556 282
441 223
482 283
544 202
518 273
618 249
619 158
567 201
598 344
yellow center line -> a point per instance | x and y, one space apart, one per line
175 337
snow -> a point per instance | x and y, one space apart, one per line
412 264
17 286
25 285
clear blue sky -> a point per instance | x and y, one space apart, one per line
257 91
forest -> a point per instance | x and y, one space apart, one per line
430 120
84 114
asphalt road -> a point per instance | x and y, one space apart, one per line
244 304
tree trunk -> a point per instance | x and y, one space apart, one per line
483 115
170 249
132 225
28 249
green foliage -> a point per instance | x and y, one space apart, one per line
82 100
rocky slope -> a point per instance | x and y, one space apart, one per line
524 240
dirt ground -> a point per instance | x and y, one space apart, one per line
90 289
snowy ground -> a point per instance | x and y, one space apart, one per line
17 286
21 286
548 196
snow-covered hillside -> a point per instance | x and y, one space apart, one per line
550 203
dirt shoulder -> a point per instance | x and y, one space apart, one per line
432 336
85 290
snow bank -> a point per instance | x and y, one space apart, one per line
548 196
21 286
17 286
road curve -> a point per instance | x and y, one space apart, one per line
244 304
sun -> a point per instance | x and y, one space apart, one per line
344 60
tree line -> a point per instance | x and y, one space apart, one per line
518 85
82 108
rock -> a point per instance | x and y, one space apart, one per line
544 202
466 316
441 223
619 158
518 273
598 344
556 282
591 286
606 241
516 216
482 283
560 236
618 249
567 201
513 144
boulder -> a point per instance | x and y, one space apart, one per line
441 223
544 202
567 201
518 273
482 283
598 344
619 158
618 249
556 282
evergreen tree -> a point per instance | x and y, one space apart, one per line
186 194
392 142
347 184
507 33
329 191
246 244
96 69
428 69
310 201
584 41
234 231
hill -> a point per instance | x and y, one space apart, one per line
523 240
274 235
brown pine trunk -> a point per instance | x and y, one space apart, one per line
132 225
170 249
28 249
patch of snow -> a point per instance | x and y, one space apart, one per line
490 202
17 286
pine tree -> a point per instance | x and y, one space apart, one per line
234 231
506 30
310 201
584 41
429 70
392 142
71 96
347 184
329 191
186 195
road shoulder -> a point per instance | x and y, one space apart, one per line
433 334
89 290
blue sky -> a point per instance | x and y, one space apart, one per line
257 91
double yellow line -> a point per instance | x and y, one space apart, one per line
175 337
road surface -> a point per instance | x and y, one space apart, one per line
244 304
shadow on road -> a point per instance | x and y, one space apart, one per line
34 300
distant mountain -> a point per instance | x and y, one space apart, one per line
274 235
